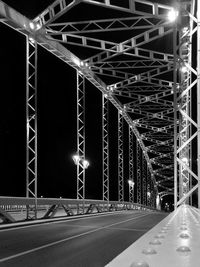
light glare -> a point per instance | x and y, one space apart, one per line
172 15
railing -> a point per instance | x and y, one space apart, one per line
50 207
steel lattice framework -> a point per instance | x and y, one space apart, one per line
105 137
123 54
120 158
80 136
31 115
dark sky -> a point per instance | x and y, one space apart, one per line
56 122
56 119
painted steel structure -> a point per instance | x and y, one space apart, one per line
145 85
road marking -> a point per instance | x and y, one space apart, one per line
66 239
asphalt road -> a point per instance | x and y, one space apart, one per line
77 242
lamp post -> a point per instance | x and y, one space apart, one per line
131 190
81 164
148 197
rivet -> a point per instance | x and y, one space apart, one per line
163 232
159 236
149 251
139 264
183 249
155 242
184 235
183 228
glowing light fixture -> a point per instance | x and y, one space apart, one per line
77 61
185 160
80 161
32 25
131 183
183 69
172 15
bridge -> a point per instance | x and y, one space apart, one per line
116 84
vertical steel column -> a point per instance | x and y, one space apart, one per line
148 188
175 89
144 182
80 136
120 158
131 166
31 125
198 99
188 129
138 173
105 141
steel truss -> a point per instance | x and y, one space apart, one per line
31 126
80 136
120 159
105 142
139 191
131 166
144 180
144 97
148 188
186 177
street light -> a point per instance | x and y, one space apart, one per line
172 15
131 190
79 160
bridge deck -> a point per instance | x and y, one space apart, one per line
90 241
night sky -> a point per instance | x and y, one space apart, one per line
56 122
56 119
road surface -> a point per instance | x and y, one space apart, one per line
77 242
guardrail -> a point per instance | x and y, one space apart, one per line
51 206
172 242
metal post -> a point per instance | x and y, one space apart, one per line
80 136
105 143
144 182
31 125
131 157
120 159
138 173
198 98
131 191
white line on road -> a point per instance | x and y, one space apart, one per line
66 239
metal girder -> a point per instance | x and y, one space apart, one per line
120 159
113 73
80 136
136 52
135 6
103 25
55 10
198 98
188 129
105 142
130 44
83 41
144 180
139 191
142 76
148 188
31 125
131 165
128 64
150 98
